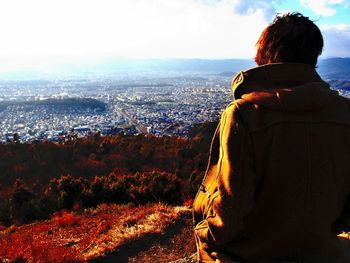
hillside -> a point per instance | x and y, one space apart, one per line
108 233
98 198
40 179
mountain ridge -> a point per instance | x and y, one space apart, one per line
327 67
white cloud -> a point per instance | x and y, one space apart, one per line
38 30
323 7
251 6
248 7
41 32
336 27
337 40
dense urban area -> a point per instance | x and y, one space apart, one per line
57 109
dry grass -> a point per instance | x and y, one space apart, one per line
133 226
176 245
97 232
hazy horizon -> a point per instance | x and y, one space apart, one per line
334 67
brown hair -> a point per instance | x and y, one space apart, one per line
291 37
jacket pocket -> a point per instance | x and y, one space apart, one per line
208 210
198 206
205 194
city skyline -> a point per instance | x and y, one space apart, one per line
40 34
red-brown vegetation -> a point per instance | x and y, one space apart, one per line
97 232
95 170
65 218
84 179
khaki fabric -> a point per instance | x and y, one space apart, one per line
278 180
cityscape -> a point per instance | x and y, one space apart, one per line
55 109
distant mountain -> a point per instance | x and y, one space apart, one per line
174 65
329 68
334 68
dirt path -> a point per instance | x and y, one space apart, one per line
176 242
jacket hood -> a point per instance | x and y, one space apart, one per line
283 86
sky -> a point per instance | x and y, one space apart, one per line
40 33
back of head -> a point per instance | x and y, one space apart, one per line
291 37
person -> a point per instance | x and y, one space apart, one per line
278 179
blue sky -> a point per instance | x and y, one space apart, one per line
328 12
42 33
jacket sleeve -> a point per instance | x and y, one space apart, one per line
234 197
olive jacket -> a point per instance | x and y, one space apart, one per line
278 179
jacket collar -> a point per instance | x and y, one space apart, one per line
283 86
273 76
